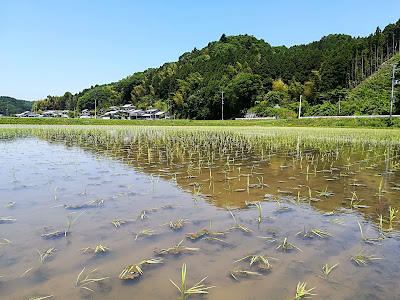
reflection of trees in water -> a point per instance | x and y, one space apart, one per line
235 167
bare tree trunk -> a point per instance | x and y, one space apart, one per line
362 66
355 69
387 49
370 64
393 49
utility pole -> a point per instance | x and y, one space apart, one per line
222 101
391 99
300 107
95 108
340 96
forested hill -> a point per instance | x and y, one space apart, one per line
253 75
13 105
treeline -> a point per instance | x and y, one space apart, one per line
10 106
253 76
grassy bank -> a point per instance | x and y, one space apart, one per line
362 122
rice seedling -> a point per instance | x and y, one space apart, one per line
54 234
175 225
321 233
234 273
213 236
10 204
325 193
41 298
6 220
93 203
26 272
380 191
4 242
45 254
392 216
355 202
258 204
263 261
339 221
361 258
281 209
238 226
286 246
198 288
133 271
314 232
302 292
98 249
326 270
143 215
380 226
179 248
119 223
195 236
70 222
146 232
82 283
368 240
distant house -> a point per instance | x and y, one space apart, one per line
85 114
152 111
50 114
114 108
162 115
27 114
149 114
128 107
111 115
136 114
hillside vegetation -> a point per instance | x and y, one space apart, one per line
13 105
256 77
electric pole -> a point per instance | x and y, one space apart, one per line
391 99
95 108
300 107
340 96
222 101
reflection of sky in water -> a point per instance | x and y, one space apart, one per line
42 176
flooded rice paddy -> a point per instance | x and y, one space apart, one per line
263 213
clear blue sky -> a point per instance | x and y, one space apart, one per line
50 47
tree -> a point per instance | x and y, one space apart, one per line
241 93
223 38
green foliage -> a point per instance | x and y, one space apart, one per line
250 71
13 106
102 94
373 95
324 109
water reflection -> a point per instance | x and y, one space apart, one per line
146 184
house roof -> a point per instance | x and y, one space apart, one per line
161 113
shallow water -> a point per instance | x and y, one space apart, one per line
42 175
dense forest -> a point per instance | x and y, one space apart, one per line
256 77
10 106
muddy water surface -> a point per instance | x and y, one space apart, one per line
44 181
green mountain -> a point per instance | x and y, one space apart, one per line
14 106
372 96
254 76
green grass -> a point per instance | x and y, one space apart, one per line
362 122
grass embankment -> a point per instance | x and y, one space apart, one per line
361 122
